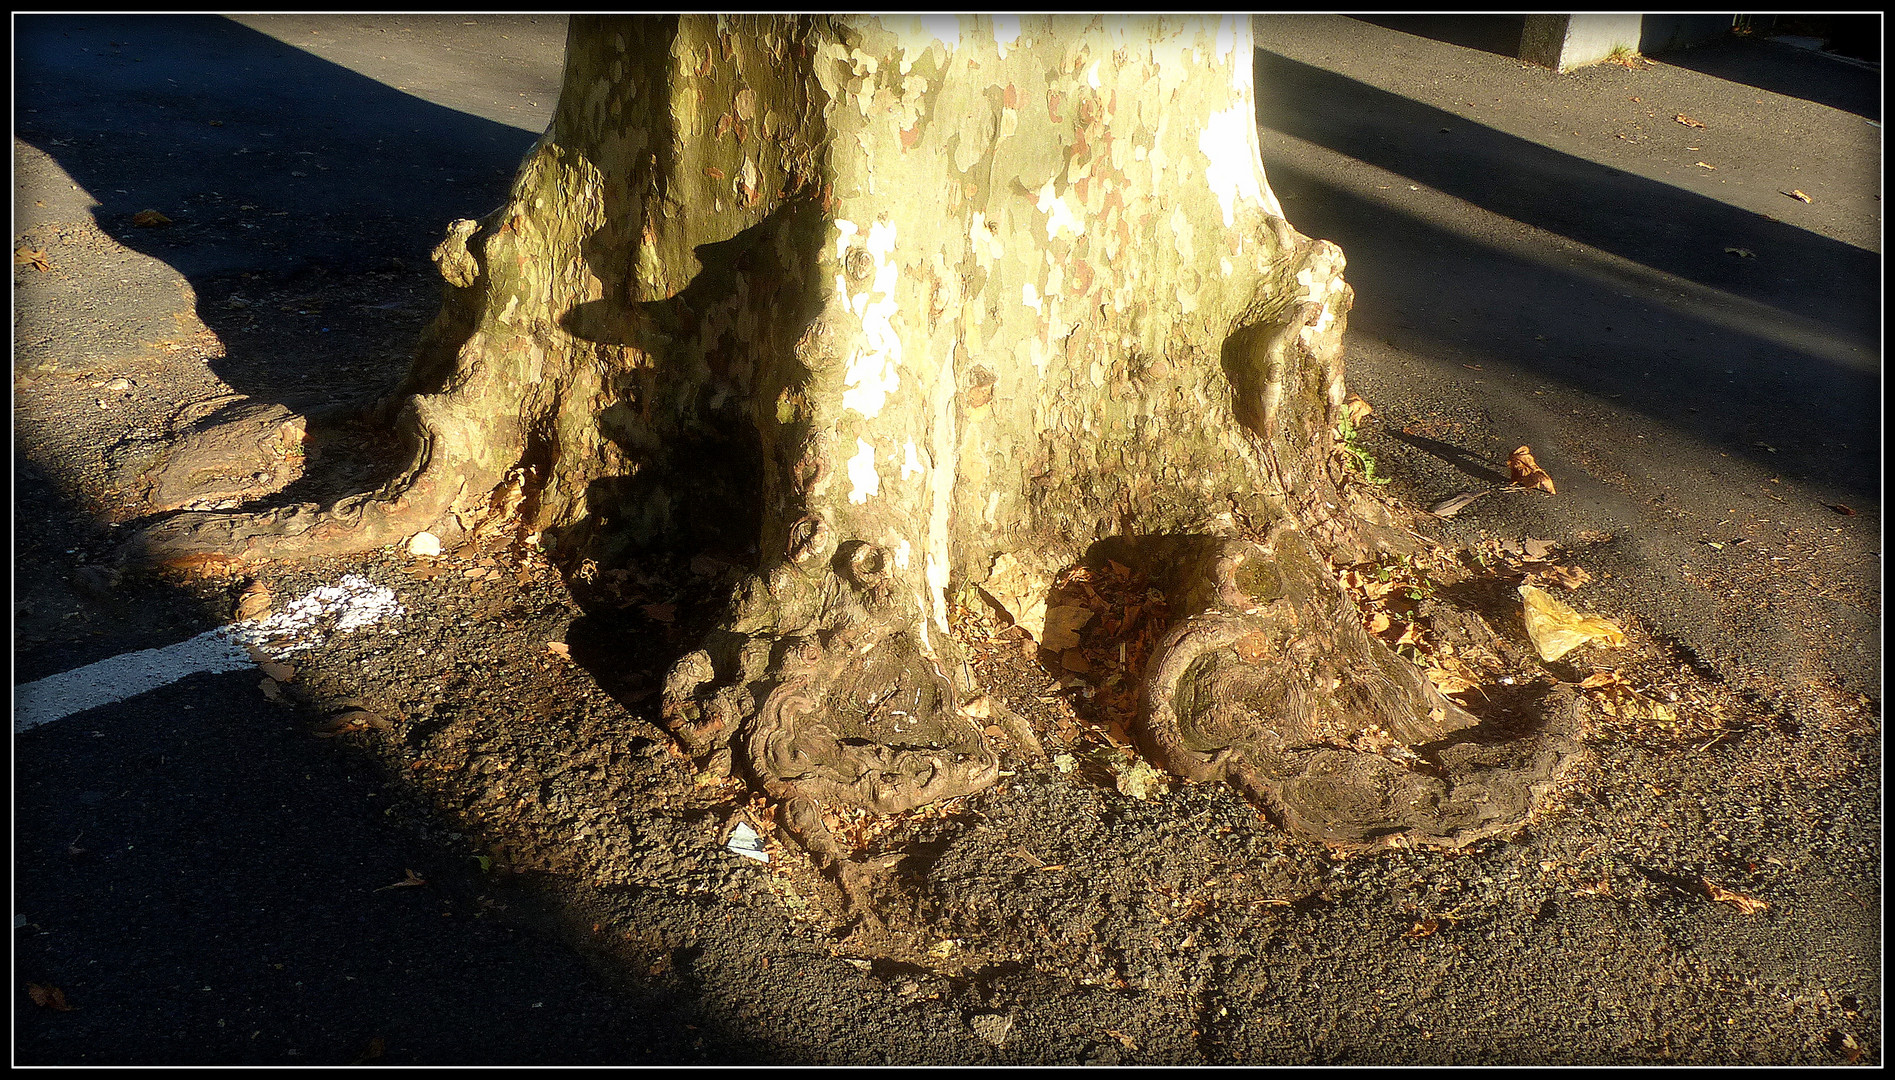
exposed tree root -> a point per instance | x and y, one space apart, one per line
1274 686
424 496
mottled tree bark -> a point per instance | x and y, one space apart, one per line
872 302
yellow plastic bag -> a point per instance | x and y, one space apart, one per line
1557 629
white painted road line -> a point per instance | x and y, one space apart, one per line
124 676
353 604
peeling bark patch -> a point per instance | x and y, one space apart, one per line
1058 214
873 368
1006 32
1233 172
863 481
944 28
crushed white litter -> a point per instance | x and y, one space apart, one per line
303 624
745 841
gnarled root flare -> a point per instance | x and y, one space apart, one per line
1274 686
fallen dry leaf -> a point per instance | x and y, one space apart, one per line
1851 1048
410 881
254 601
277 671
1618 699
1124 1040
1449 682
1062 626
48 997
271 689
1537 550
559 649
1703 165
1841 509
1797 195
1556 629
1571 577
353 720
150 219
1527 473
1356 409
1422 928
32 257
1749 905
1447 508
1687 121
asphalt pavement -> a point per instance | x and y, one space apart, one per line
1610 266
201 881
1692 353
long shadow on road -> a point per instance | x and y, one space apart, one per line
1648 222
202 880
206 115
1452 291
286 179
1787 70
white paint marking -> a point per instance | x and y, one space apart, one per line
303 624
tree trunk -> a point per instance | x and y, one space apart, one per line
887 308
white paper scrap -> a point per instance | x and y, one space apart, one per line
745 841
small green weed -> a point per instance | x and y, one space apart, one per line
1353 450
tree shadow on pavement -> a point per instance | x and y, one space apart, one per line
1486 297
303 198
1648 222
1787 70
1488 33
1467 461
1425 288
203 879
